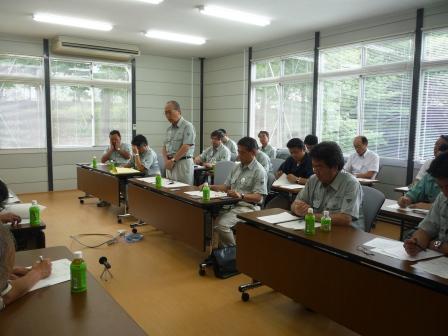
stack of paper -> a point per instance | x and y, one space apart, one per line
286 220
213 194
282 181
296 225
438 266
60 272
122 170
416 210
166 183
395 249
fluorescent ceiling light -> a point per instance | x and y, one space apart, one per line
163 35
234 15
72 21
153 2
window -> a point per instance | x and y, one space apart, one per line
366 89
22 113
433 102
88 100
282 95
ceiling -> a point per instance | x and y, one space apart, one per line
130 18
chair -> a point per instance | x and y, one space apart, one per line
372 202
222 170
282 153
161 164
279 201
276 163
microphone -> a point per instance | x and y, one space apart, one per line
103 261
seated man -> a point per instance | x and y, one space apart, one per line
264 160
331 189
440 145
298 166
215 153
117 151
6 217
266 147
424 192
230 144
17 281
247 181
363 163
310 141
432 231
144 158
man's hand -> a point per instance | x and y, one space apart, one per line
278 174
411 247
233 193
134 149
20 270
300 208
169 164
291 178
301 180
9 217
43 268
208 165
404 201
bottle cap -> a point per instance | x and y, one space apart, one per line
78 254
326 213
33 202
310 210
206 184
94 156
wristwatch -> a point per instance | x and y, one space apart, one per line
137 154
438 244
242 196
118 149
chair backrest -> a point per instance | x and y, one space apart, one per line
222 170
372 202
279 201
271 179
161 164
282 153
276 163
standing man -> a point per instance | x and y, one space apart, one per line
266 147
363 163
331 189
144 158
117 151
215 153
179 145
247 182
230 144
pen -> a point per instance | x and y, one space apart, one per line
41 258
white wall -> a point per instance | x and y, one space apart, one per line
225 95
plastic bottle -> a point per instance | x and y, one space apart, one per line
206 192
94 163
78 274
34 214
158 181
310 220
325 221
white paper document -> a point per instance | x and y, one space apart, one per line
60 272
383 243
398 252
213 194
296 225
279 218
416 210
438 266
22 209
166 183
283 181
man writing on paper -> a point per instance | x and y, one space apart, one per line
432 231
144 158
298 166
215 153
179 145
17 281
6 217
118 151
363 163
331 189
248 182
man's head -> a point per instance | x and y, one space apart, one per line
216 137
247 148
4 193
141 143
264 137
310 141
439 170
224 133
7 255
172 111
296 148
360 143
327 160
440 145
115 138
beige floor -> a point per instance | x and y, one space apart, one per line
156 280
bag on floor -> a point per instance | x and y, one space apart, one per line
224 262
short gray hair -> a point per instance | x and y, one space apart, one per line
175 105
7 246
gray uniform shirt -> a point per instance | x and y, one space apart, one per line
435 224
248 180
149 160
116 155
180 134
231 145
343 195
270 151
212 155
264 160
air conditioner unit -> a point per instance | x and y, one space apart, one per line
98 49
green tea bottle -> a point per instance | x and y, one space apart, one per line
78 274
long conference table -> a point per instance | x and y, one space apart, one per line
186 218
328 273
55 310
